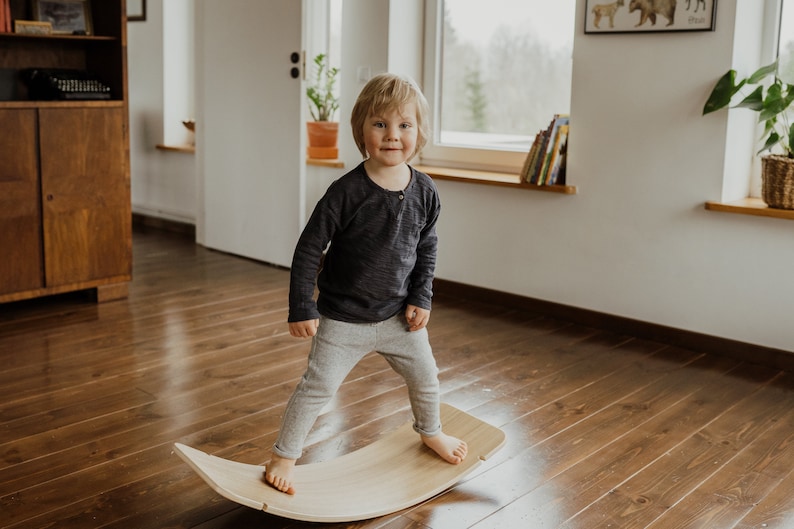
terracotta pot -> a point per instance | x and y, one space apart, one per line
323 136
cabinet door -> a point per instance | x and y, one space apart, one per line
85 195
21 265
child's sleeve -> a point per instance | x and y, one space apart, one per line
306 263
421 290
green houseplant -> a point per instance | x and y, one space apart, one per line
772 98
323 133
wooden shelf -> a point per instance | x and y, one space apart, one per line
177 148
84 103
57 36
320 162
750 206
491 178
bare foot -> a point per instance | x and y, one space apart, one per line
451 449
278 473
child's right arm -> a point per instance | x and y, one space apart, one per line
303 329
305 266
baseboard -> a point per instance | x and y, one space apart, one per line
140 221
757 354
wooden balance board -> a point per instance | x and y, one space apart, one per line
393 473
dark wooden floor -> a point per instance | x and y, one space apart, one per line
604 430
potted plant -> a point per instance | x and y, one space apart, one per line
771 98
323 103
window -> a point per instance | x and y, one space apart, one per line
785 44
322 20
777 41
495 74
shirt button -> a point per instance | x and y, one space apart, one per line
402 196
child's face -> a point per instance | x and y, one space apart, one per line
390 137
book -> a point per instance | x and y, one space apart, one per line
536 174
525 167
560 151
533 170
531 157
551 146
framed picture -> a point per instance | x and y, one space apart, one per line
72 17
136 10
649 16
32 27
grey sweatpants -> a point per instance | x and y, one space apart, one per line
336 349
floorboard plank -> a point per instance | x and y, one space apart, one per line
776 510
760 462
645 497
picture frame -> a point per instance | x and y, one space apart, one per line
649 16
136 10
68 17
32 27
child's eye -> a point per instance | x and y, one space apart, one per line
405 126
380 124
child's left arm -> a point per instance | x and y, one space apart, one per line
420 293
416 317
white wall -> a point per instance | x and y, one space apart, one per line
635 241
163 182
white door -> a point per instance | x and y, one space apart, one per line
249 127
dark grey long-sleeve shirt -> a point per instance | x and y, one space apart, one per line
382 252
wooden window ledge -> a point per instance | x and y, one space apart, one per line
491 178
320 162
750 206
177 148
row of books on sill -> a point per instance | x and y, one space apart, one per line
545 162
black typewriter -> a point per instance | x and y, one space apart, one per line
46 84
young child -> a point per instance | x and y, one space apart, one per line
375 286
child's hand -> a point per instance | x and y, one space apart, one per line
303 329
416 317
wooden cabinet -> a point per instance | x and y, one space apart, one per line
65 214
21 266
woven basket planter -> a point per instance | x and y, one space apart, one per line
777 181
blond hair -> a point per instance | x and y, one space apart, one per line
387 92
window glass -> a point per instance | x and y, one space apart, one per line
503 70
785 47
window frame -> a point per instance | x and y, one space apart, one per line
434 154
770 42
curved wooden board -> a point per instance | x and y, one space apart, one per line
391 474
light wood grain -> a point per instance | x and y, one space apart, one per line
391 474
750 206
492 178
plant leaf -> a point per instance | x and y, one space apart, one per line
770 142
722 92
774 103
762 72
754 101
